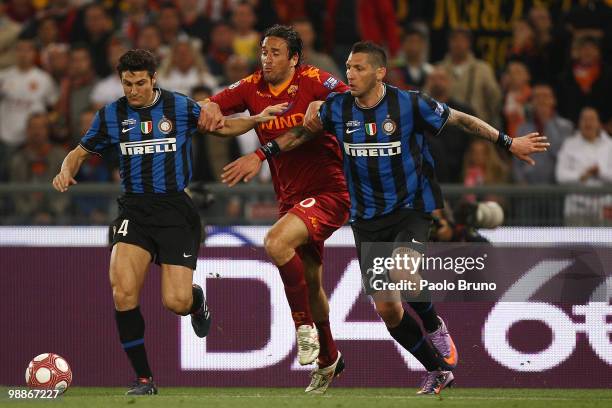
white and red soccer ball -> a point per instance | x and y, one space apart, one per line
48 371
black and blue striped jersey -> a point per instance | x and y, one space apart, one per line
153 142
387 162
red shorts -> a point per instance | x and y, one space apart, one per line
322 214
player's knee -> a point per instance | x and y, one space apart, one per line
390 313
275 247
177 304
124 299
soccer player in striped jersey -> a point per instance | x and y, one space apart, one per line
391 180
151 129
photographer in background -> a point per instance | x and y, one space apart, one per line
462 224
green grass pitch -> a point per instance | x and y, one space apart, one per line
83 397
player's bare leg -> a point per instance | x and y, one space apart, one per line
407 332
330 363
280 243
181 296
128 268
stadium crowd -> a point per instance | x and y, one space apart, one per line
523 66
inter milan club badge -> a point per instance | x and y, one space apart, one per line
165 126
388 126
146 127
370 128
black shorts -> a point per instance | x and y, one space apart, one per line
168 226
403 225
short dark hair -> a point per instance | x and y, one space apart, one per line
137 60
415 29
287 33
376 54
588 40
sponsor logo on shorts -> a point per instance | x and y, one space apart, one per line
307 203
373 149
148 146
314 222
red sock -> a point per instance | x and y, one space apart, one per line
292 274
329 352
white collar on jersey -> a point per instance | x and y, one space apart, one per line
157 96
377 102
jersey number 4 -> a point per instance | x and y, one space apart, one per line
123 228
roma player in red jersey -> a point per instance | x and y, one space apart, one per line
309 184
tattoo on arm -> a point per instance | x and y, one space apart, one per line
472 125
295 137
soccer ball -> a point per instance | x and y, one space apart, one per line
48 371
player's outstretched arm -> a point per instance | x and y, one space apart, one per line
70 167
247 166
521 147
237 126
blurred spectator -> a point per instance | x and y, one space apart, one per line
135 18
349 21
98 32
47 32
20 11
63 14
309 54
211 153
184 69
37 161
246 39
589 18
542 119
550 46
193 22
449 146
517 93
75 91
216 10
473 80
586 158
150 39
236 68
220 48
9 30
55 59
93 209
482 165
169 23
412 72
109 89
24 89
587 83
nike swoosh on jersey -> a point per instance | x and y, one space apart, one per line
348 132
127 130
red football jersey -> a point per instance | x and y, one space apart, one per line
316 166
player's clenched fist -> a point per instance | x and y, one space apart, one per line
63 180
312 122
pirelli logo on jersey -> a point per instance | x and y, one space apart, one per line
148 146
373 149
